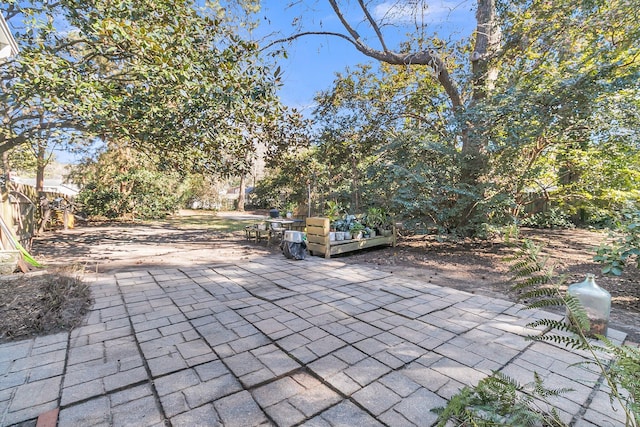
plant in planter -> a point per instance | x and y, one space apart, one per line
376 217
356 229
341 227
332 211
347 223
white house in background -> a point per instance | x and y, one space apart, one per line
8 45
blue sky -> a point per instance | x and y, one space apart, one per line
313 60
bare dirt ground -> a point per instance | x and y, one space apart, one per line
476 267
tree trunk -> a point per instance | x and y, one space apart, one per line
356 185
6 166
243 186
474 132
488 37
41 163
125 186
45 213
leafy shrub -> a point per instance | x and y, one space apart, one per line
99 201
124 183
624 249
553 218
149 195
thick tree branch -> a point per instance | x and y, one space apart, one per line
420 58
12 141
374 25
307 33
354 34
427 58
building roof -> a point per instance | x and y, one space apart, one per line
8 45
52 185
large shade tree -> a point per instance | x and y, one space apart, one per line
387 142
169 77
535 79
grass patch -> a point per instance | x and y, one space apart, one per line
208 220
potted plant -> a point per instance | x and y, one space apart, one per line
356 229
348 222
386 232
332 211
344 225
339 227
376 217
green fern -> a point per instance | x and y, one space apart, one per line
551 324
535 282
570 342
539 280
625 374
576 313
499 400
540 390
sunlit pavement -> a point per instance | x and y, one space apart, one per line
279 342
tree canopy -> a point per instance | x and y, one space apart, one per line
541 98
163 76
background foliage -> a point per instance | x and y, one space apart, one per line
542 118
121 183
555 128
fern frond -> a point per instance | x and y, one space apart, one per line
549 302
551 324
542 391
524 268
500 400
577 313
539 293
567 341
529 282
625 373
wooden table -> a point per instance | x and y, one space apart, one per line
288 223
280 222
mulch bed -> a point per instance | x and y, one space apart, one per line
41 303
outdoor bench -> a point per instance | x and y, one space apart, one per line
256 232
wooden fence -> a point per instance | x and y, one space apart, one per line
21 212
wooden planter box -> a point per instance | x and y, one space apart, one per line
318 239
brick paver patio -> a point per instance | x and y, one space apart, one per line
279 342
